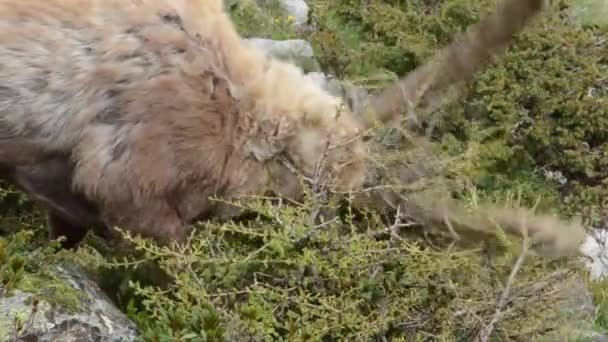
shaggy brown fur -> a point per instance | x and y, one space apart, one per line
107 95
158 105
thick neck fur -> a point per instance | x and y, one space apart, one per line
282 93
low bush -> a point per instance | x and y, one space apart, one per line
279 278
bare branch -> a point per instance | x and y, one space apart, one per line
486 332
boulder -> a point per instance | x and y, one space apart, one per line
93 318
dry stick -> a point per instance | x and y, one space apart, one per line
485 333
20 334
397 224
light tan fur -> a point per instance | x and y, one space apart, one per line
282 93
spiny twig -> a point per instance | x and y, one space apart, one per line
486 332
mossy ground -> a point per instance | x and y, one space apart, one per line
277 277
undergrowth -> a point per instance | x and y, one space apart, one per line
279 278
531 125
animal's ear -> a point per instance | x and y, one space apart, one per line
270 138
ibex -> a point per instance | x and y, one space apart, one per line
132 113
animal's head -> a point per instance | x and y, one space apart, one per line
317 136
319 142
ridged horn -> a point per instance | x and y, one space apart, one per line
457 62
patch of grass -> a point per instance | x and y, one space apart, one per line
599 290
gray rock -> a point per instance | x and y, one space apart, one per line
96 319
297 51
298 9
299 47
331 85
356 96
595 251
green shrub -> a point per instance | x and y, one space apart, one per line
277 278
541 107
357 38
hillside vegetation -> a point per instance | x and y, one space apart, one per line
530 130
